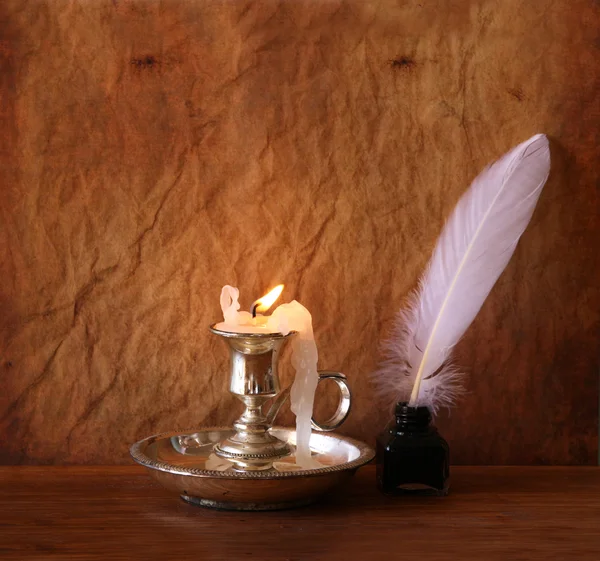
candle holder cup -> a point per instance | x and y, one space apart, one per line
254 380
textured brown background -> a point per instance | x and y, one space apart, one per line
153 151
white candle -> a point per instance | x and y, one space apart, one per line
243 322
287 317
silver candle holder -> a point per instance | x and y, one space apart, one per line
254 380
250 466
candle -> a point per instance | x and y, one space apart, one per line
246 322
286 317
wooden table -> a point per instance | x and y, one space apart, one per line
507 513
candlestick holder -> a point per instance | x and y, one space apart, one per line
254 379
252 467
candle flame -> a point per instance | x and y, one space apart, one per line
266 301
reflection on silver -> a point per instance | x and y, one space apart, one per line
213 462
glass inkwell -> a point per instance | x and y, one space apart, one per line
412 456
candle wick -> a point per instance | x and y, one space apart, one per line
254 306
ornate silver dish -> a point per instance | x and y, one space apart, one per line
186 463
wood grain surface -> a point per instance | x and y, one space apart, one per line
153 151
492 513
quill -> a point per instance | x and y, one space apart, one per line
474 247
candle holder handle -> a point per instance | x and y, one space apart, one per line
342 411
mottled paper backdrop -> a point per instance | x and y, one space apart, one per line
152 152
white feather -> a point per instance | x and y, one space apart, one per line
475 246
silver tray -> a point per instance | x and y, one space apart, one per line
186 464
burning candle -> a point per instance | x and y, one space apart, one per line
248 322
286 317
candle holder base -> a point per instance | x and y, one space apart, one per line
186 464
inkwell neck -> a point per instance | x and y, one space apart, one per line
412 419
